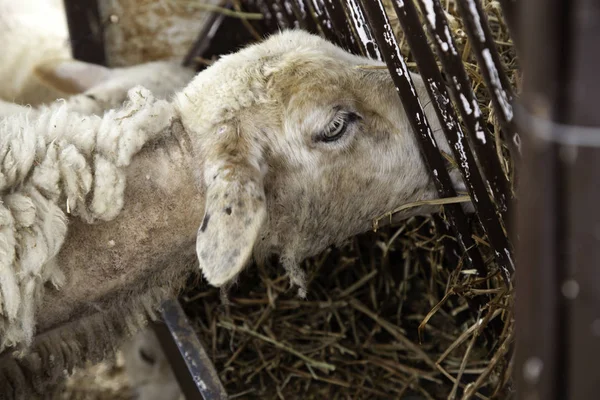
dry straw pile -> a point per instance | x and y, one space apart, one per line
386 315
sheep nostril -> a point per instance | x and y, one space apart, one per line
147 357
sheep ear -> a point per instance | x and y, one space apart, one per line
70 76
235 212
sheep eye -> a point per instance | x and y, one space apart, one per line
337 127
146 357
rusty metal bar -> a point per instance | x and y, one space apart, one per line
193 369
492 69
323 20
283 8
86 31
304 15
219 35
343 25
464 98
485 208
336 19
361 27
262 6
388 45
278 16
359 47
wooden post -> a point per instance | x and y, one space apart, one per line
86 31
558 270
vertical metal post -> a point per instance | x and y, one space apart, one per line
477 188
388 46
509 12
466 102
492 69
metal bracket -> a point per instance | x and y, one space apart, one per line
193 369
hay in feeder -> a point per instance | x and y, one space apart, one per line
386 315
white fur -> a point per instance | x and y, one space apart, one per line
35 37
57 164
148 369
31 31
162 78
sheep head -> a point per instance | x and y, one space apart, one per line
300 149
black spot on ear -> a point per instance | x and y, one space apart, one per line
228 210
91 96
204 223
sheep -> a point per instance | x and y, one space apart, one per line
103 88
32 32
148 369
162 78
37 66
262 153
8 108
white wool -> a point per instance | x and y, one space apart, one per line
152 380
162 78
31 31
8 108
58 163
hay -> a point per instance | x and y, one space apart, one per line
357 334
386 315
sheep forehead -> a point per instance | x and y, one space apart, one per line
239 81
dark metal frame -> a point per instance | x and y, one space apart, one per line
193 369
362 27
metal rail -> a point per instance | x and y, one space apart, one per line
191 366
